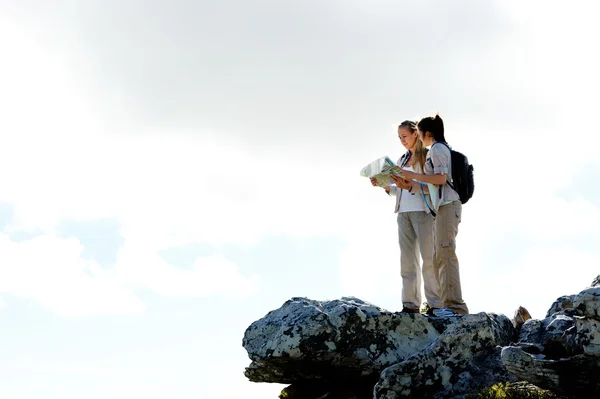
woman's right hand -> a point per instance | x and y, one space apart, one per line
400 182
374 181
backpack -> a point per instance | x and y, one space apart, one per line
462 175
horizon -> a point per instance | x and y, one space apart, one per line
173 171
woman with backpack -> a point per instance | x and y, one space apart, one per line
415 226
438 172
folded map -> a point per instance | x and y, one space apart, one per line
381 169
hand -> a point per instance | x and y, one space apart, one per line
400 182
408 175
387 189
374 181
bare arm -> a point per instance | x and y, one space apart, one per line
439 179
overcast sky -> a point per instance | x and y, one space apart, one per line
170 171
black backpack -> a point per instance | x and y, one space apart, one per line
462 175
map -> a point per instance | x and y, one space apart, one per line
381 169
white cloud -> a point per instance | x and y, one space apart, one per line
185 132
50 270
168 186
212 275
562 269
558 218
543 274
370 263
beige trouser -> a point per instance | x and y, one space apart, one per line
446 262
415 233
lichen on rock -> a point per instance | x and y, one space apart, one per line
306 339
464 356
351 349
561 352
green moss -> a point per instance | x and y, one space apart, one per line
425 307
512 391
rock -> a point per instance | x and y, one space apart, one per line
550 336
566 302
327 390
351 349
587 303
563 303
521 316
574 376
464 357
337 340
561 352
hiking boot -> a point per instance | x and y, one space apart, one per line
430 311
409 310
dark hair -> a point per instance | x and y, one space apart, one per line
433 125
410 125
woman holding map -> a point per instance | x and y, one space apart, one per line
449 209
415 226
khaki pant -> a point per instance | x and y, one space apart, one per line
446 263
415 233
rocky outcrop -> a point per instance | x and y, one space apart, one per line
465 357
561 352
334 340
339 348
351 349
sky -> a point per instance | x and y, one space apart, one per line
170 171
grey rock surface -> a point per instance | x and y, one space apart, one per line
587 303
575 376
331 340
464 357
348 348
563 303
561 352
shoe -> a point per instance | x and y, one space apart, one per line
409 310
430 311
444 312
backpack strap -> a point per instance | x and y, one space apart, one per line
449 149
405 159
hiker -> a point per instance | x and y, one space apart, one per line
438 171
415 226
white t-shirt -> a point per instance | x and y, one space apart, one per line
410 202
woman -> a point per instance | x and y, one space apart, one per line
438 171
415 227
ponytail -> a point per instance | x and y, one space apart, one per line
433 125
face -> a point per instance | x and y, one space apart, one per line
407 138
425 138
